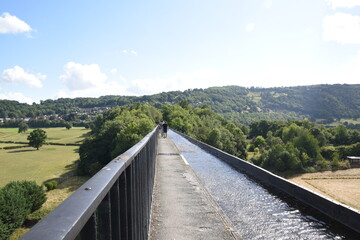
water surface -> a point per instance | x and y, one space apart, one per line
255 212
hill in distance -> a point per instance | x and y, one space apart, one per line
234 102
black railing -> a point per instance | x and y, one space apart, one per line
113 204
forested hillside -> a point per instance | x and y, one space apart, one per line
244 105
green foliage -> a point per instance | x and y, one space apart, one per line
23 127
17 200
244 105
335 163
297 146
68 125
51 185
307 143
207 126
259 142
113 133
341 135
13 210
37 138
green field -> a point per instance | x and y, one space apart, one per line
29 164
54 135
2 145
50 162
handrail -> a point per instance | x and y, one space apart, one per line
113 204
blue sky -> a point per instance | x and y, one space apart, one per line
53 49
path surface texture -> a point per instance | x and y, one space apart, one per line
182 208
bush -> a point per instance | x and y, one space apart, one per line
51 185
13 210
3 231
17 200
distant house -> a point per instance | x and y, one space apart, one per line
354 161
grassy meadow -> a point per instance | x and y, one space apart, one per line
39 165
54 135
50 162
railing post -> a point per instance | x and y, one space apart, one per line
104 219
124 220
136 196
130 201
142 196
89 232
115 211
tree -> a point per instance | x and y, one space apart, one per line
37 138
68 125
113 133
23 127
341 135
259 142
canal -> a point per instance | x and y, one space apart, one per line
256 211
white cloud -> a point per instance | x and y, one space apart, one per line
17 97
180 81
132 52
348 72
107 88
113 71
342 27
267 3
88 81
343 3
12 24
81 76
18 75
250 27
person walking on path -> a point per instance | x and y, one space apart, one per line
164 127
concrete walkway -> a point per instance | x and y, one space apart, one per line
182 208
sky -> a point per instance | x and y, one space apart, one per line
68 49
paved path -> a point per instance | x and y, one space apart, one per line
182 208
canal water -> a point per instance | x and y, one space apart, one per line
256 212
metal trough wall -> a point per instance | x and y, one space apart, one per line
113 204
335 210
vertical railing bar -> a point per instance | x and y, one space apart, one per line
130 204
134 206
104 219
138 166
115 211
148 159
147 183
142 193
136 169
89 231
124 221
137 176
148 178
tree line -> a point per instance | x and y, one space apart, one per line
301 146
284 147
244 105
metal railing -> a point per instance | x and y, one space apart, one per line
113 204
